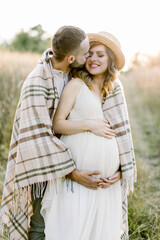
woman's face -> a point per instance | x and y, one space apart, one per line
97 62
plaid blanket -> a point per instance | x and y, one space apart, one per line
115 111
37 156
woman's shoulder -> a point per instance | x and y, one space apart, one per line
73 86
76 82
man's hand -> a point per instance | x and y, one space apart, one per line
101 128
86 178
107 182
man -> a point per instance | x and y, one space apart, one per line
36 155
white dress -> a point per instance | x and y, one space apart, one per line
71 211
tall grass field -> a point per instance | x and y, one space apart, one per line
142 90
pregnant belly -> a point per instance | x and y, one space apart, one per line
92 152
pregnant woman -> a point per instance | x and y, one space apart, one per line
71 211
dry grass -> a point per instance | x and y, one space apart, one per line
145 77
14 68
142 93
21 63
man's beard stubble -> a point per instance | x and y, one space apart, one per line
75 65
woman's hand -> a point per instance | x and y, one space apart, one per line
107 182
101 128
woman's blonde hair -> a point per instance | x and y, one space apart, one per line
111 73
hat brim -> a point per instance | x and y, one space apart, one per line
120 59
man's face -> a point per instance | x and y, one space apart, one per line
82 54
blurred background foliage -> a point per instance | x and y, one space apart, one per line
33 40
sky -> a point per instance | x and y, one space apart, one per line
134 22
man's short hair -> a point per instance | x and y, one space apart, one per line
67 40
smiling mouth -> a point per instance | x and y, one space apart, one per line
94 66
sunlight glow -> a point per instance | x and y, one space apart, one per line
134 23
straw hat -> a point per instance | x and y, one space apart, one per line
111 42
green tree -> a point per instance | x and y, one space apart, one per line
35 40
21 42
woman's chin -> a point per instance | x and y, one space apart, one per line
94 72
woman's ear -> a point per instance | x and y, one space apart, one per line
71 59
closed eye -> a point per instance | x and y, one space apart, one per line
90 54
100 55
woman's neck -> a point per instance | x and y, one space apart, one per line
97 84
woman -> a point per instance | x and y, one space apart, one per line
86 214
